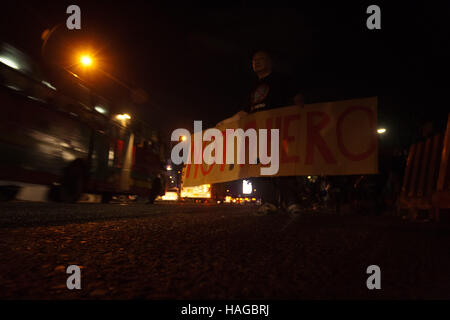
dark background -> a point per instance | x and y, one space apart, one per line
194 62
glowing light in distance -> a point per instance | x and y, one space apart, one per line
86 60
170 196
124 116
9 62
48 85
202 191
246 187
100 109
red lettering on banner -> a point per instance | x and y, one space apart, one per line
287 138
206 172
224 162
188 166
314 138
188 170
269 123
340 139
251 124
211 166
196 170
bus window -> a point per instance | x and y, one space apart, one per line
13 79
118 153
111 157
84 96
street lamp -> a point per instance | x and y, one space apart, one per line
381 131
86 60
124 116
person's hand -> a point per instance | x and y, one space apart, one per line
236 117
241 114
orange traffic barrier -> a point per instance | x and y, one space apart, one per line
425 182
441 197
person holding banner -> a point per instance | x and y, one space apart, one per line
272 90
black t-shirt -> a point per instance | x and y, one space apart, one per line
273 91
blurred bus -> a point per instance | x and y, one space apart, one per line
63 135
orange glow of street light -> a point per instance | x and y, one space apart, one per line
86 60
124 116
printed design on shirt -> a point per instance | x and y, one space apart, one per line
258 106
260 93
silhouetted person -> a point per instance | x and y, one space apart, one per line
272 90
156 190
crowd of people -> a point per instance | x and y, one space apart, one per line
362 194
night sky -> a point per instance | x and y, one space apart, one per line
194 62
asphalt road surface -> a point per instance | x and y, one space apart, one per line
215 252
